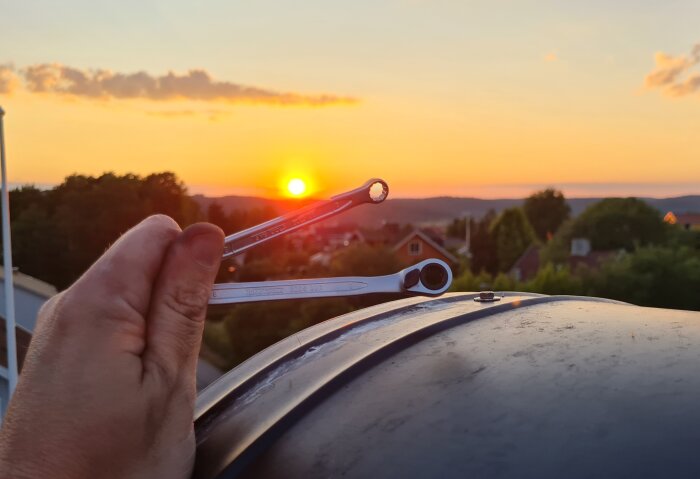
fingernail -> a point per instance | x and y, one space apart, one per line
206 249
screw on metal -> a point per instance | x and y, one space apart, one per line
487 297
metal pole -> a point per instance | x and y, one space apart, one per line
7 267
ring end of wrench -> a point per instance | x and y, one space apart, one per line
373 191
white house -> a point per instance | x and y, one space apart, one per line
30 295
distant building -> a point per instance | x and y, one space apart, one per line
580 247
527 266
326 237
418 246
322 258
592 260
30 295
688 221
581 255
389 234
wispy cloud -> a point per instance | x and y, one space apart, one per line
8 78
674 75
196 85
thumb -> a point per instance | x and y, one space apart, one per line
179 302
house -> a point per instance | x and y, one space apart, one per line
581 255
30 295
593 261
418 246
688 221
388 235
527 266
324 236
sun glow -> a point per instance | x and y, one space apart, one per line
296 187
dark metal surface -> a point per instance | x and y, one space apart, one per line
530 386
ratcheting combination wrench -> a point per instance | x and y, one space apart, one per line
431 277
373 191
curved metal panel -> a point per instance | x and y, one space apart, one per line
295 410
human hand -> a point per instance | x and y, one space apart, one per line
108 384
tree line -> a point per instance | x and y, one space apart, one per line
59 232
654 263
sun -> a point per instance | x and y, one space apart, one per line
296 187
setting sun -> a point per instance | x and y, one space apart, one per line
296 187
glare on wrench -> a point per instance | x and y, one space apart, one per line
431 277
373 191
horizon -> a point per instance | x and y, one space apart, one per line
600 190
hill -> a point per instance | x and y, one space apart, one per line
431 210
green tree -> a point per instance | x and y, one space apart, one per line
546 210
360 259
557 249
216 215
652 276
512 234
555 280
471 282
457 228
620 223
58 233
483 247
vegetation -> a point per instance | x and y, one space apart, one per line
620 223
654 264
512 234
58 233
546 211
657 276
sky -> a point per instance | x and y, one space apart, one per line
437 97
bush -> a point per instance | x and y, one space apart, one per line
653 276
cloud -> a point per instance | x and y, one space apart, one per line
196 85
8 78
672 74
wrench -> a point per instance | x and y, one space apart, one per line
430 277
373 191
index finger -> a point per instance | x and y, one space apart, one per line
127 270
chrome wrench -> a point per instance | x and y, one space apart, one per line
373 191
431 277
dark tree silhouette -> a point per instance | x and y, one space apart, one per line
59 233
512 234
616 223
546 210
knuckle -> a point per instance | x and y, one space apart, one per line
48 308
50 311
57 317
163 223
189 301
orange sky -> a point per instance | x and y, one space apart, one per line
446 100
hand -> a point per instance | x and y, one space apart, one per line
108 384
